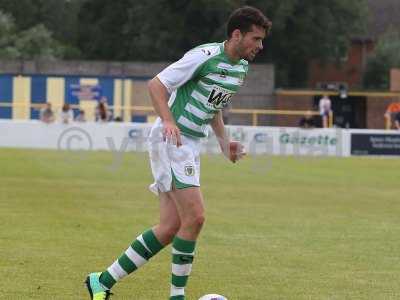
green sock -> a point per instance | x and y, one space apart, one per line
142 249
182 259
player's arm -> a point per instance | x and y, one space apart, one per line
231 149
159 97
167 81
218 126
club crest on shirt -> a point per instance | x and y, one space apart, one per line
223 73
189 170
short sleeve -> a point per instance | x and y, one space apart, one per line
181 71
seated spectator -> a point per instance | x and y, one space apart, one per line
102 112
81 116
66 114
397 121
391 112
47 114
307 121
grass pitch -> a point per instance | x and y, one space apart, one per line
276 228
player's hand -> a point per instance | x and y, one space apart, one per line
171 133
235 151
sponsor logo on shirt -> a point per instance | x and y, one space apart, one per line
206 52
219 97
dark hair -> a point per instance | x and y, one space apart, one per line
65 107
102 112
245 17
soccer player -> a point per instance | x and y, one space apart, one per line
187 95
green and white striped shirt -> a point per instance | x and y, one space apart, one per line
201 83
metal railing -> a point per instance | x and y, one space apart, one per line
255 113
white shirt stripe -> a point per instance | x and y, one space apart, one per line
198 112
207 87
181 270
189 124
224 80
135 257
199 97
172 98
237 68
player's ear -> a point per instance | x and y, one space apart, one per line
236 35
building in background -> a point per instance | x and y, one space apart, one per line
343 78
25 86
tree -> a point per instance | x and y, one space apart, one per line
35 42
385 57
306 30
58 17
165 29
24 12
7 36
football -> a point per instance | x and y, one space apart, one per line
213 297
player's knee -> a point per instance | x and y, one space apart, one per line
170 230
200 221
195 222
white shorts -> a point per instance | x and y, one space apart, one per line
173 166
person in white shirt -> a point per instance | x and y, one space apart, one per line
188 95
325 108
66 114
81 116
47 114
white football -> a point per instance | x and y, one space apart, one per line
213 297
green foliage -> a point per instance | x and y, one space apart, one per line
35 42
163 30
7 35
40 29
305 30
386 57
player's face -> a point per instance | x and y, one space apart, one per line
251 43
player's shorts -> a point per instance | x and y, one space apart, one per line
172 166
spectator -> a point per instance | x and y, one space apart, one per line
325 109
391 112
66 114
47 114
397 121
307 121
102 112
81 116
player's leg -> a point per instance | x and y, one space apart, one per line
189 203
170 222
146 245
